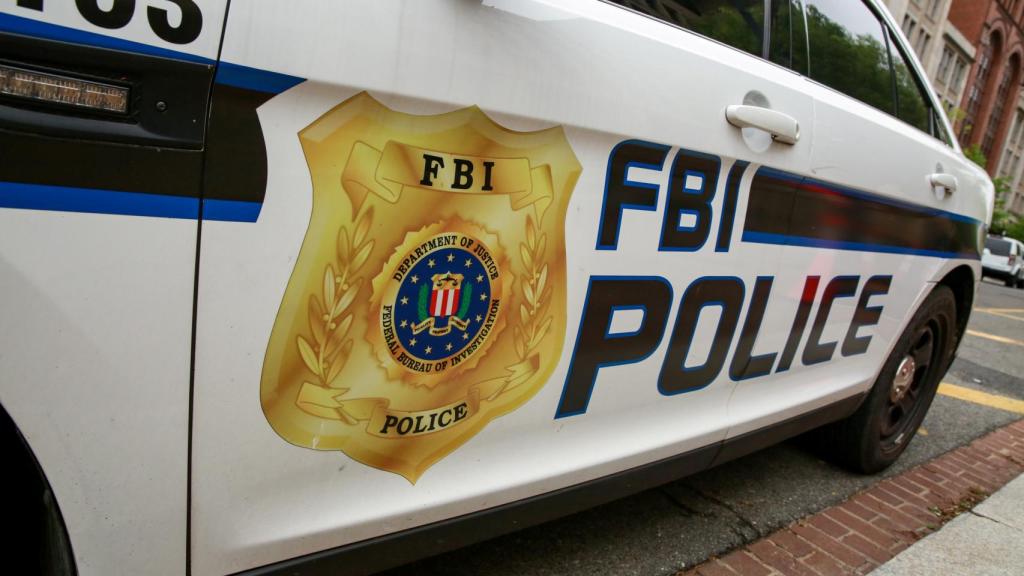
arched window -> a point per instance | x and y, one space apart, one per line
995 119
990 52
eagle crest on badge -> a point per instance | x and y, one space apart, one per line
428 297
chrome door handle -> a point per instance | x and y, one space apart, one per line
783 127
943 180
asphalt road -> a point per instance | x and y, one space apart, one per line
661 531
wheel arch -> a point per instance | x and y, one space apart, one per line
42 539
962 282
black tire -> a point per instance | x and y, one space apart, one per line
1020 280
1010 281
871 439
39 542
56 554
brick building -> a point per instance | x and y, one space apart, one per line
973 52
1010 165
990 101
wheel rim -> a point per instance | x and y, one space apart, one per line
908 386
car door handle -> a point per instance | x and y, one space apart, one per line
783 127
943 180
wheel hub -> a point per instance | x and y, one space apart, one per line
903 379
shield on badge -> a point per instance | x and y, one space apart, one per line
428 297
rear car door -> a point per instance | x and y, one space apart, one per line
460 211
875 223
102 117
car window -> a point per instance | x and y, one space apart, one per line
788 38
940 129
998 246
738 23
911 104
848 51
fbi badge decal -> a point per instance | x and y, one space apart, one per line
428 297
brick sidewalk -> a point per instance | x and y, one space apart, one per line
873 526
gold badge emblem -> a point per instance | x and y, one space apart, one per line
428 297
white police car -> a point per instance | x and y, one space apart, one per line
328 286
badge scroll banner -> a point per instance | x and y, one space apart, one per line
330 403
399 166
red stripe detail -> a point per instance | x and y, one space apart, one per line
454 302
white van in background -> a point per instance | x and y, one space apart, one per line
1003 259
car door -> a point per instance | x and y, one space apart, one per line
403 163
102 120
890 207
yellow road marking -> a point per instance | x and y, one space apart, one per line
1003 312
983 398
922 431
995 338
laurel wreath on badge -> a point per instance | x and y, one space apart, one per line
330 320
536 292
331 346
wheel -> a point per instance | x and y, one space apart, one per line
879 431
56 557
1010 281
40 544
1020 279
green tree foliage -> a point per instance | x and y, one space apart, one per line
862 66
974 154
1015 230
789 37
855 65
1003 221
739 25
912 107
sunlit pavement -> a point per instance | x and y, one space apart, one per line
659 532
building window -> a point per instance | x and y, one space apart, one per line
996 116
959 69
909 24
945 63
933 8
1009 163
974 97
1018 132
923 38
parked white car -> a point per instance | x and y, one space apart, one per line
326 286
1003 259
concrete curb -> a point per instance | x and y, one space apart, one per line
875 525
987 540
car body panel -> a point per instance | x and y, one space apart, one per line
97 286
311 500
105 300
